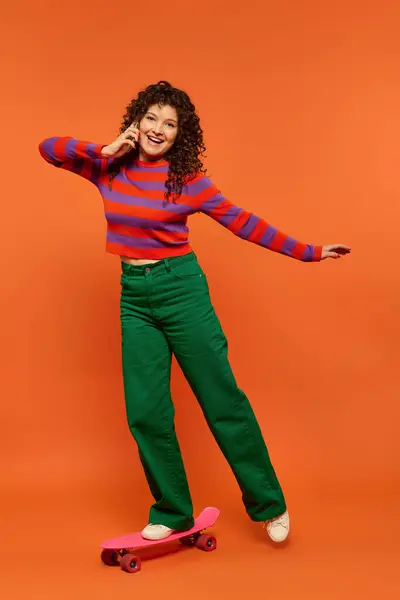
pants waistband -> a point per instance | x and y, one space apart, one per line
164 263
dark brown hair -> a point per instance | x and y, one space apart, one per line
184 156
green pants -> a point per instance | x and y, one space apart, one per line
165 309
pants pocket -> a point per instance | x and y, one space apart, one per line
189 270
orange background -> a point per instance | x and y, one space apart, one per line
299 102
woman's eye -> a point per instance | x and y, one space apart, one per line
171 125
150 118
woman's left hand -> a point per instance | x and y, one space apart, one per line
334 251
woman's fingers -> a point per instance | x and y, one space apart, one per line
131 133
342 249
129 143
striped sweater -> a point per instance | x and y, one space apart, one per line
141 224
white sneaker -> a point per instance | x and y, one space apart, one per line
278 528
156 532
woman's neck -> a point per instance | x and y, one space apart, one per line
146 158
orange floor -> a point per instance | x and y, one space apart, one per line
335 551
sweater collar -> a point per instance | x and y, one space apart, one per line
152 163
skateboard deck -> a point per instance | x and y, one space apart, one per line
117 551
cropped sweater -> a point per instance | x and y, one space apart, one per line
142 224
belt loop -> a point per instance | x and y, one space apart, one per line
167 265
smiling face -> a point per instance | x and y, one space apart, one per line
158 131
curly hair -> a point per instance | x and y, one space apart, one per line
184 156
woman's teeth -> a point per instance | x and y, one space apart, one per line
154 140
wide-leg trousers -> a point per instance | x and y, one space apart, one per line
166 309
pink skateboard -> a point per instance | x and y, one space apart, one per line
116 551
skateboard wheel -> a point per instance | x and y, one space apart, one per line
109 557
189 540
207 543
130 563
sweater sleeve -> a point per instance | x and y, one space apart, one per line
82 158
209 200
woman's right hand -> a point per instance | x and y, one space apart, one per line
123 144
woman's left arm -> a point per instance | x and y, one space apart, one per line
209 200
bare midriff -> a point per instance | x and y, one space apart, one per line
138 262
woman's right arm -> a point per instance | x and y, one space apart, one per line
85 158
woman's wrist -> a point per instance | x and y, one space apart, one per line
104 152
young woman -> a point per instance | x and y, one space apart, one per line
151 178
